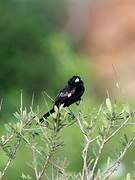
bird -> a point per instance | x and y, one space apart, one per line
70 94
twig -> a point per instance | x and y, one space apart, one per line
85 150
12 135
115 165
96 160
31 146
8 139
34 164
10 159
52 148
45 166
49 96
104 141
88 141
117 130
81 127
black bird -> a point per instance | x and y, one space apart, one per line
67 96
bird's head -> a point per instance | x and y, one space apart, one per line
75 80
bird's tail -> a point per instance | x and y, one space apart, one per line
46 115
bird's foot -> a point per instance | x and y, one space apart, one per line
71 115
78 102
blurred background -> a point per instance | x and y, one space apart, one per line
44 42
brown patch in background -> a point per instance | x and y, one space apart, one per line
108 36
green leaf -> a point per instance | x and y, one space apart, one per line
54 115
128 177
61 107
8 127
26 177
85 123
108 161
2 140
19 127
109 105
126 138
56 109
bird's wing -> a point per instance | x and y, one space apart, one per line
64 94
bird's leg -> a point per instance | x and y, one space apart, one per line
78 102
71 114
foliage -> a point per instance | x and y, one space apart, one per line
44 141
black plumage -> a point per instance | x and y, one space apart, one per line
69 95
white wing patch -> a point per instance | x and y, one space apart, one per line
63 94
77 80
69 95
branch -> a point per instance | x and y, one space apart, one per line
88 141
53 146
10 159
34 164
115 165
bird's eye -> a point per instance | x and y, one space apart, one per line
77 80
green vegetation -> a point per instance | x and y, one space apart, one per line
44 143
